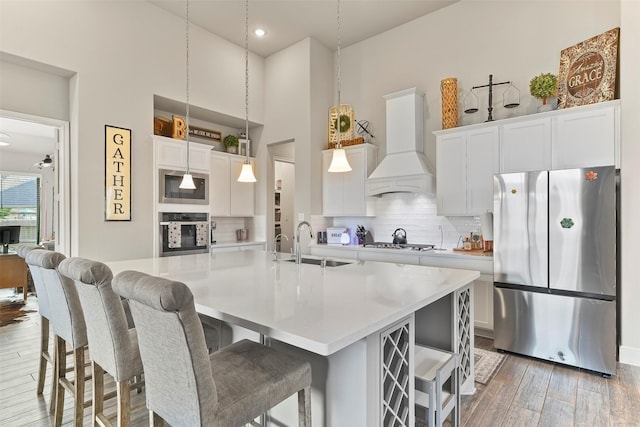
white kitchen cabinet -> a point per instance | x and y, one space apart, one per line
483 302
236 248
586 137
526 145
227 196
466 162
394 256
172 154
451 174
344 194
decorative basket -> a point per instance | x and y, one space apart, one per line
346 121
345 143
449 89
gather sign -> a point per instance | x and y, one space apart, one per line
117 173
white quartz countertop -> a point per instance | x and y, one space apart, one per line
319 310
234 243
434 252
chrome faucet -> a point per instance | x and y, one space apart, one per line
298 252
275 244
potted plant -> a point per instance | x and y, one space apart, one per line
544 86
231 143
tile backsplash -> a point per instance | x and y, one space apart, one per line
416 213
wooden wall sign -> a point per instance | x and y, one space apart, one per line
117 173
588 71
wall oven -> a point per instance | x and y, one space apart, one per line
183 233
170 191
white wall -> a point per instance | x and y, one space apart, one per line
23 84
630 177
513 40
122 53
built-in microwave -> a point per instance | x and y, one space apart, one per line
170 191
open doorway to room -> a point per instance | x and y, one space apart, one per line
283 155
34 179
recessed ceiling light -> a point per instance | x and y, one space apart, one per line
259 32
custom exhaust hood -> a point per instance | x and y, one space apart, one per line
405 167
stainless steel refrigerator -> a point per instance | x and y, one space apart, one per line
555 266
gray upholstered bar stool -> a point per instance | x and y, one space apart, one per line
113 347
186 386
68 328
45 315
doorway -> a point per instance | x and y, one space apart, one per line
39 146
283 155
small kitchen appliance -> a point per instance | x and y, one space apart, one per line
399 236
334 234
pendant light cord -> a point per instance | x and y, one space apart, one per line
338 145
187 63
246 76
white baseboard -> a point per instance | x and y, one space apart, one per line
630 355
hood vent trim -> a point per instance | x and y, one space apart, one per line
405 168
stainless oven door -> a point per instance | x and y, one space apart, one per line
184 238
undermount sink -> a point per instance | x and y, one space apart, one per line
328 263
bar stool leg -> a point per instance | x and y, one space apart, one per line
44 351
98 392
60 369
304 407
78 383
123 391
155 420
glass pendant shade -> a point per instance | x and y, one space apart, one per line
246 174
187 182
339 162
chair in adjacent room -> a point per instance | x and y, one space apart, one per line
437 386
68 327
45 314
187 386
113 347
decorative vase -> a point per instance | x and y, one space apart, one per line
545 107
449 90
232 149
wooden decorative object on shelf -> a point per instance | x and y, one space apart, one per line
162 126
347 124
345 143
588 71
449 89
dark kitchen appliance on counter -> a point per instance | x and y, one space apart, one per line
399 236
555 266
184 233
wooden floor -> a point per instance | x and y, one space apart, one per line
524 392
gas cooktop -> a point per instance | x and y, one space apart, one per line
405 246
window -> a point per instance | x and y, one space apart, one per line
19 204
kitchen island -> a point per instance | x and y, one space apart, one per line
340 318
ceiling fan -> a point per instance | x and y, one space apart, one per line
44 163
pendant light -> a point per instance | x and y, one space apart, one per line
339 162
187 179
246 174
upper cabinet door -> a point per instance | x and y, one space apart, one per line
526 146
482 163
585 138
219 187
451 179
